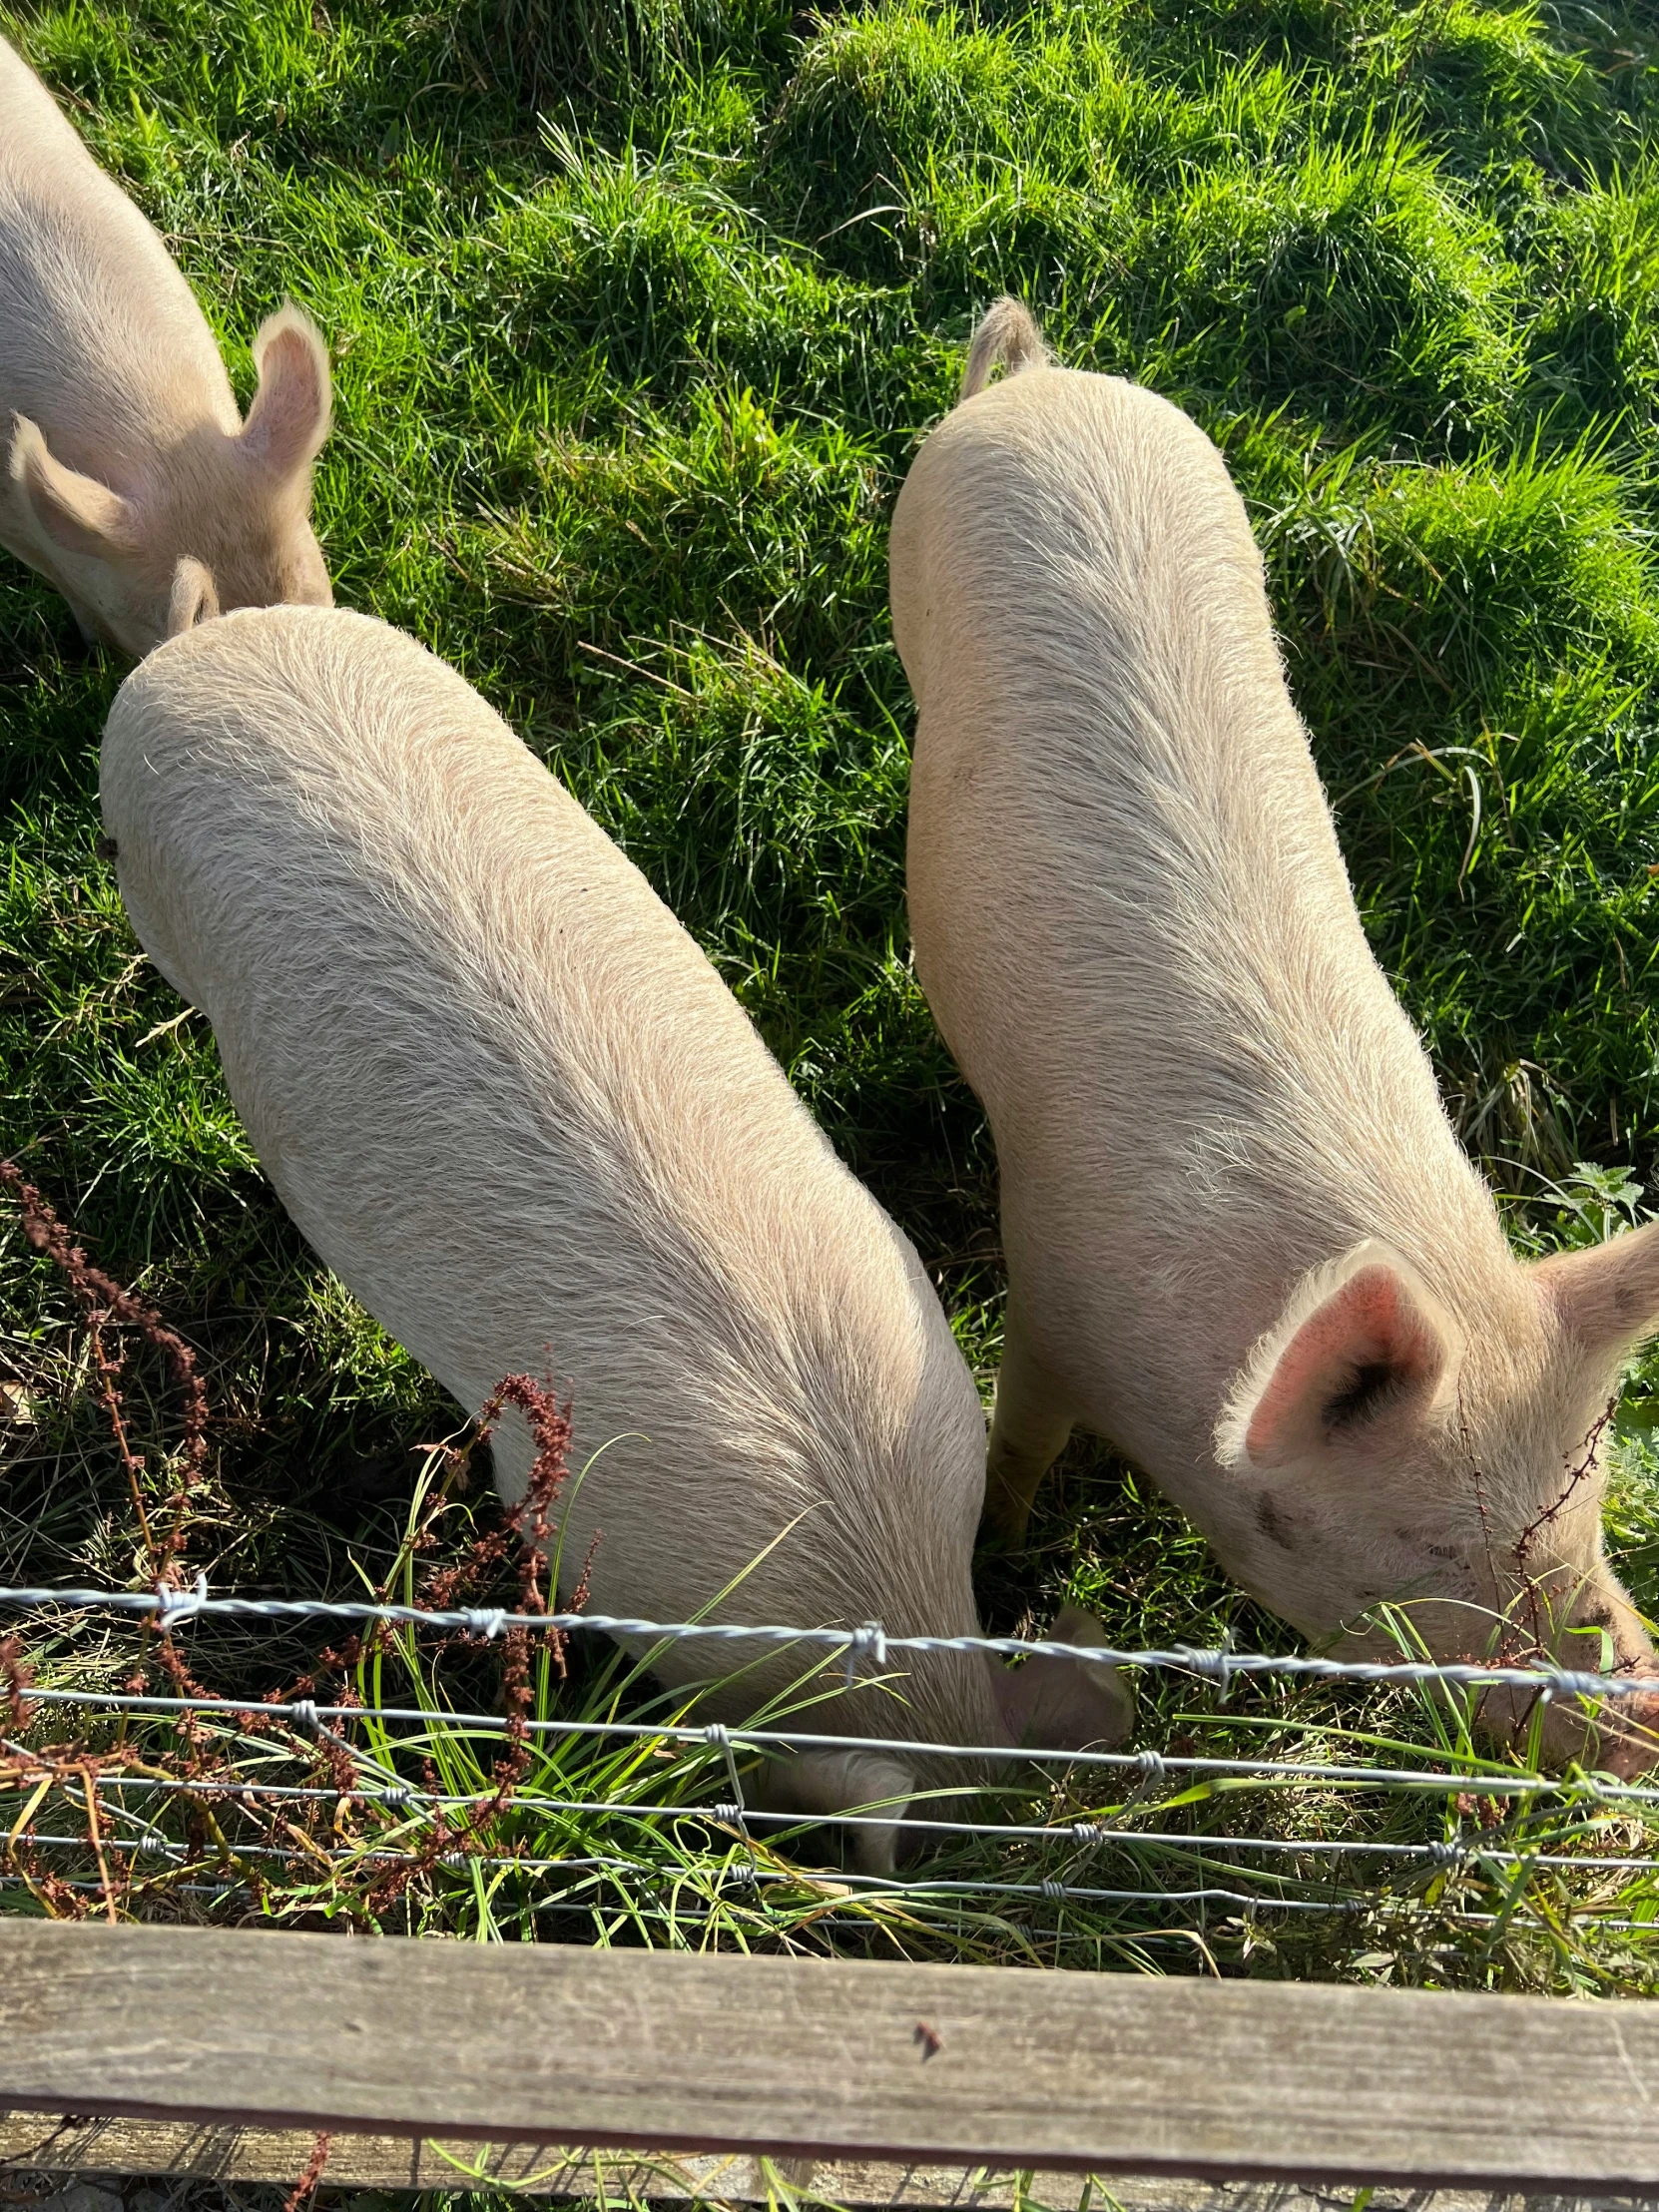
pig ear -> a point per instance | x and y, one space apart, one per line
1607 1297
1061 1704
1362 1347
76 512
192 598
289 420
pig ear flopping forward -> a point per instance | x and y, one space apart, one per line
190 598
1362 1350
1606 1296
289 420
79 514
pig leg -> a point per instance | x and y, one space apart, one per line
1029 1427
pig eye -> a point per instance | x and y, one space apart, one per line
1362 1398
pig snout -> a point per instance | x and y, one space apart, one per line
1617 1734
1622 1736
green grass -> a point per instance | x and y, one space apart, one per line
640 309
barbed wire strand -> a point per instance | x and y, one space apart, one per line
1087 1834
877 1889
1473 1775
172 1607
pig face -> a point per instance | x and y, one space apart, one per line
1382 1447
224 521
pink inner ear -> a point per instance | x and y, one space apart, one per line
1369 1322
287 407
1060 1705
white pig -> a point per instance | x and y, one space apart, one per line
129 479
513 1107
1243 1242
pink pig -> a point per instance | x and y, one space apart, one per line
1243 1242
132 482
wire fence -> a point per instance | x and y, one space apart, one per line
474 1759
366 1802
870 1643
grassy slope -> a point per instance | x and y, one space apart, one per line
640 307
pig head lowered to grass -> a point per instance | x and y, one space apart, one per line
1243 1242
130 480
514 1108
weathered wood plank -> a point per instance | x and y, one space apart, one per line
120 2153
38 2144
829 2060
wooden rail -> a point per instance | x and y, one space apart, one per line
828 2061
36 2144
37 2151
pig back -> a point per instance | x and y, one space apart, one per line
508 1100
1131 916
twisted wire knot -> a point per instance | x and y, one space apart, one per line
179 1605
1216 1665
868 1642
303 1714
731 1811
487 1622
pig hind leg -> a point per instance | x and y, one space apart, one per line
1029 1427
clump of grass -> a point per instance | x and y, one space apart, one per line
1596 345
1350 285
